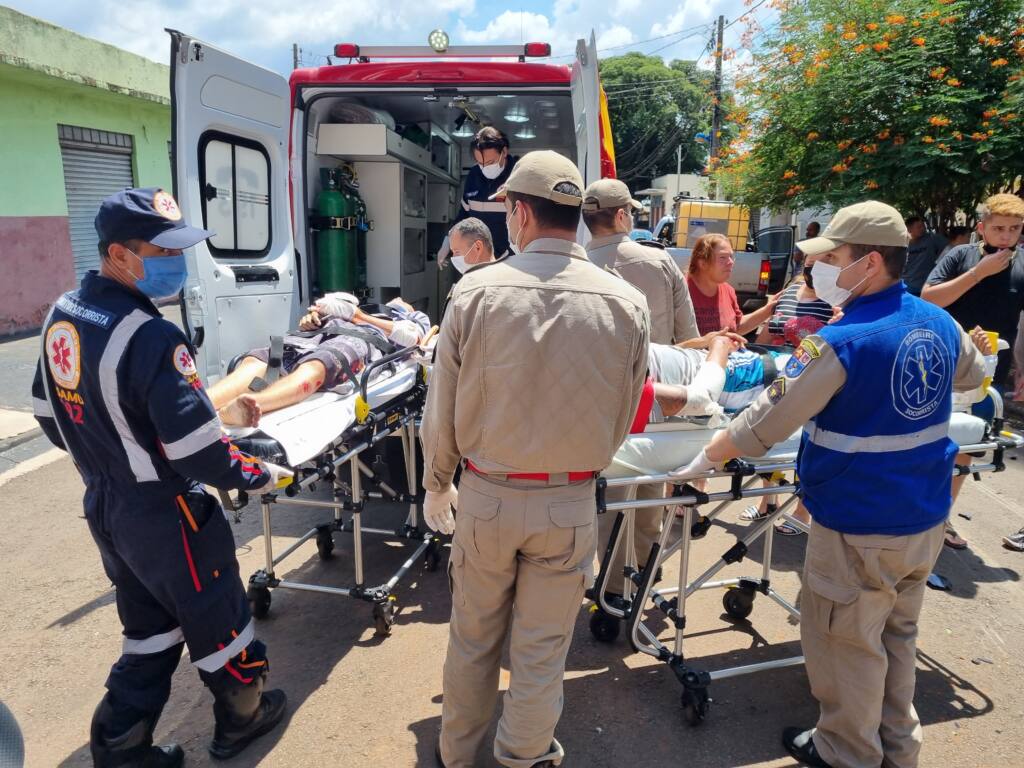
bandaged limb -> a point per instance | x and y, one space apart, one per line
237 382
288 390
703 392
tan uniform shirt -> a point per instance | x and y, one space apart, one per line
772 418
658 277
539 366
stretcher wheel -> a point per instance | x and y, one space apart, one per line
384 617
604 627
325 543
738 603
259 601
695 705
432 556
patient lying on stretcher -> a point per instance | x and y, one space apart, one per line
336 339
724 378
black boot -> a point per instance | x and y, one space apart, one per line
131 749
243 714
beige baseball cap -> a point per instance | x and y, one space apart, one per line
538 173
608 193
867 223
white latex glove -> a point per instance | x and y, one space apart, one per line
341 305
698 466
276 474
405 333
437 509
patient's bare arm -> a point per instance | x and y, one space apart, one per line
671 398
237 382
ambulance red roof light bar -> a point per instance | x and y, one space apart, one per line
365 52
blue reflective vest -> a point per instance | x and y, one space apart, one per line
878 459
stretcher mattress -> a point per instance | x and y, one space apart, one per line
675 443
305 429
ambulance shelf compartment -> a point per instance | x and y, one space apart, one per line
363 142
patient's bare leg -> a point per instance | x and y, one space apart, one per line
288 390
237 382
671 398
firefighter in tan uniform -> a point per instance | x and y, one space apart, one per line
538 370
608 213
873 393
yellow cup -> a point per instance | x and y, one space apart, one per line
993 340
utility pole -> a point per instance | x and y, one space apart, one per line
716 119
295 55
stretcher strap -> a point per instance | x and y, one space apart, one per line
274 359
771 370
371 338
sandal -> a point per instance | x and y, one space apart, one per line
954 540
787 529
753 513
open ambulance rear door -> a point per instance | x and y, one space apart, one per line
229 141
586 108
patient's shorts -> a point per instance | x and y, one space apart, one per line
329 353
746 377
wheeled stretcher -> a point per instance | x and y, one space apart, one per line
317 439
646 459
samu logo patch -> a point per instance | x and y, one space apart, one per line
921 375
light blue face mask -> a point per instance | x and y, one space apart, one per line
162 276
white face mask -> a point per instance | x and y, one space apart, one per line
825 278
459 262
513 239
493 170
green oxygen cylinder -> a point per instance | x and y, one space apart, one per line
330 238
348 237
362 226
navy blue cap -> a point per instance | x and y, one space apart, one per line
148 214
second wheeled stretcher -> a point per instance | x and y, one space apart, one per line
318 439
645 459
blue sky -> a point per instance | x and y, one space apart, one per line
264 30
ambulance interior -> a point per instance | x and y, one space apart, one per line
393 166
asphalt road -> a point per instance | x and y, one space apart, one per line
358 700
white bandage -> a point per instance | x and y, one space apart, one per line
405 333
339 304
703 392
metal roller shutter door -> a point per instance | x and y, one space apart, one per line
89 176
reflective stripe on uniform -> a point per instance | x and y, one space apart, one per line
41 408
486 206
218 659
153 643
138 458
194 441
836 441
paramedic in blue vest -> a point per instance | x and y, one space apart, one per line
493 166
873 393
117 388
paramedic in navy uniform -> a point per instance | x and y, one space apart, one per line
493 165
117 388
873 394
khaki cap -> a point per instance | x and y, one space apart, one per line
538 173
608 193
867 223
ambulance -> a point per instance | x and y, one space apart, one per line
349 176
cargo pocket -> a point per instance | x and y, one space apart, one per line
479 528
208 546
573 537
834 612
456 566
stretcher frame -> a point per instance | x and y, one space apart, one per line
396 417
639 583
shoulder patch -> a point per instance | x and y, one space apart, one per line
776 390
183 361
801 357
64 354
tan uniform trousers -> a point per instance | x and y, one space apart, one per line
646 530
520 560
861 599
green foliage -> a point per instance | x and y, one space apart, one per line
915 102
653 108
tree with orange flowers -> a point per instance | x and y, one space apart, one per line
917 102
